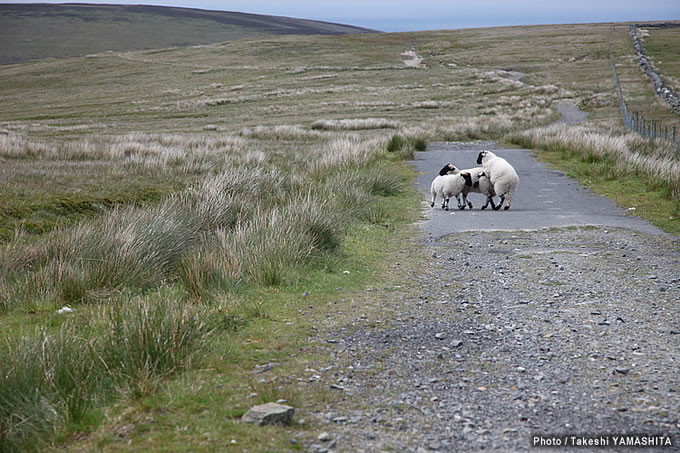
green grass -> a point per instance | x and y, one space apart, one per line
133 343
663 49
637 88
200 409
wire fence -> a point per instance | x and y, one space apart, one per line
647 128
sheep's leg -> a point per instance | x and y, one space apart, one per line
434 197
445 203
466 201
489 200
461 205
500 203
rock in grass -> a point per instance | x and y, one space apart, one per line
269 414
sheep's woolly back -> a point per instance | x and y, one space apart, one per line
452 185
437 183
474 176
436 186
502 175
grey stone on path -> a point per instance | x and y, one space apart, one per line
269 414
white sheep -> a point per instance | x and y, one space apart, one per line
436 186
502 175
480 184
452 186
485 188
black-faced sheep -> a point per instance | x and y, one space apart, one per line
450 185
502 176
436 186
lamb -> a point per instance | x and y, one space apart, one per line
436 186
450 182
452 186
502 176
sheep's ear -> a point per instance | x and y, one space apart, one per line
468 178
447 168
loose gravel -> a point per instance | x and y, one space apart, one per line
495 337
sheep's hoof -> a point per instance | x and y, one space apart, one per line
432 205
506 208
483 208
496 208
469 205
446 208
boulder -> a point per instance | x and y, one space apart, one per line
269 414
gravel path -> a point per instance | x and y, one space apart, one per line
494 337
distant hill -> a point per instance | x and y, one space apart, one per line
34 31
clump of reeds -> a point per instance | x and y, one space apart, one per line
248 223
624 152
355 124
280 132
51 380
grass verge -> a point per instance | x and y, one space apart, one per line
640 175
220 302
260 327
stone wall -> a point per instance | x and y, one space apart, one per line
672 98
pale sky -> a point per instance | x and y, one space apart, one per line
395 15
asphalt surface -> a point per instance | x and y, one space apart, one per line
545 198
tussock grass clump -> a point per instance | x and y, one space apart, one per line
618 152
52 380
396 143
149 338
355 124
406 145
185 152
281 132
353 192
265 247
343 153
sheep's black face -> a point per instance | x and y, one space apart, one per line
481 156
447 168
468 178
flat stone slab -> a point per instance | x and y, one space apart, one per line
269 414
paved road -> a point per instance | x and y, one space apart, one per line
545 198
